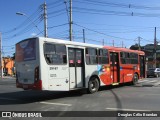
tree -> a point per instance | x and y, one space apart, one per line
13 57
134 47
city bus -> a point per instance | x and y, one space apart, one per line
126 65
60 65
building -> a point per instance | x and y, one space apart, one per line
149 50
8 66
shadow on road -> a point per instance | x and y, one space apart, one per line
25 97
117 99
118 104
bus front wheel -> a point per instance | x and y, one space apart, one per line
135 79
93 85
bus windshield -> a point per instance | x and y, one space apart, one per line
26 50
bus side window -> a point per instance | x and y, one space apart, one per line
55 53
64 58
123 60
61 52
48 58
91 56
103 56
129 58
71 58
49 50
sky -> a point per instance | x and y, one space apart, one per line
116 22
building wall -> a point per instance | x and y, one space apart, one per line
8 66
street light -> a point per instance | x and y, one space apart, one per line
23 14
18 13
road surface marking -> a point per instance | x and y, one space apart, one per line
123 109
156 84
148 81
152 81
151 94
2 98
142 81
56 103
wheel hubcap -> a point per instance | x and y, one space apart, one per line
135 79
93 84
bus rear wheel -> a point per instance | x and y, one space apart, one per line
93 85
135 79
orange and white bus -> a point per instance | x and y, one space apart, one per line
59 65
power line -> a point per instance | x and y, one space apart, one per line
57 15
8 46
147 40
116 25
55 6
20 26
54 3
28 28
8 52
58 25
120 5
101 32
57 11
62 32
100 3
39 33
102 12
106 12
119 13
122 30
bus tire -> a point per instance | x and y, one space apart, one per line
93 85
135 79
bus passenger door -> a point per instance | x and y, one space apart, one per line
142 66
76 67
114 65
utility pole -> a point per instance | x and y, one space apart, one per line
113 43
70 22
1 66
155 48
45 20
103 42
84 40
122 44
139 42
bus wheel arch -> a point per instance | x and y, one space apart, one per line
93 84
135 79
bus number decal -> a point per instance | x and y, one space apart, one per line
53 68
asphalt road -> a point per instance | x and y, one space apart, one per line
145 96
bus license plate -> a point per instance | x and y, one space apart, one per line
25 86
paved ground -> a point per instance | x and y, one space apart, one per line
143 97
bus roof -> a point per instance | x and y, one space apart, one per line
70 42
85 44
123 49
